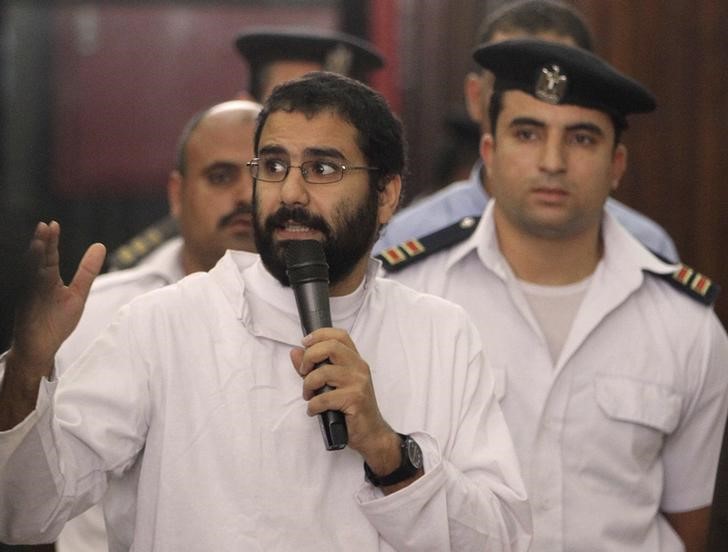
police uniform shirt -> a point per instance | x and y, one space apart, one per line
628 421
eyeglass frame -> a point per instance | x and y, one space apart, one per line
254 164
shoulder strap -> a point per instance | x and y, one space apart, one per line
411 251
133 251
692 283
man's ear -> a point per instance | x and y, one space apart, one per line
389 199
619 165
174 193
473 91
487 145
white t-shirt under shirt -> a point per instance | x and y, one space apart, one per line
555 308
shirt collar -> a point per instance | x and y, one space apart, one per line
623 254
622 251
484 243
266 307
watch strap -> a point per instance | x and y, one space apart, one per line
407 468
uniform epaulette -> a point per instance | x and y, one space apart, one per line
414 250
693 283
129 254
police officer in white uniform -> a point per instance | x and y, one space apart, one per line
612 362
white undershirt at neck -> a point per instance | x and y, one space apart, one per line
555 308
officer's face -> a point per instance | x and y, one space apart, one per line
551 167
212 202
344 215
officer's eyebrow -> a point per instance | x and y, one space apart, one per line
584 125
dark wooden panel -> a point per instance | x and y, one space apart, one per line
678 169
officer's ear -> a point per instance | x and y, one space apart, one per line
472 92
478 88
174 193
619 165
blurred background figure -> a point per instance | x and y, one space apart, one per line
277 54
274 55
462 150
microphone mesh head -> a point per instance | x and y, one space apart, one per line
306 262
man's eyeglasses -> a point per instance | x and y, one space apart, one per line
317 171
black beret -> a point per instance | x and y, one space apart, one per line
560 74
336 51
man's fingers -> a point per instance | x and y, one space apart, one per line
324 334
52 257
296 358
88 269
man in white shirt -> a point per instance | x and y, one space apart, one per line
189 399
610 363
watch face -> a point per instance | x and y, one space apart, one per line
414 453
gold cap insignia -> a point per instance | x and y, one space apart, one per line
339 60
551 84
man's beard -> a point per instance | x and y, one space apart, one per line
351 237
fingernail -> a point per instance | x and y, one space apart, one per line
306 340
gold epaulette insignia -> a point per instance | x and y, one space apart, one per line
132 252
693 283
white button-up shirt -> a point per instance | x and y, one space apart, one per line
628 421
197 376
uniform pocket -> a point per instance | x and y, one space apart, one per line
644 403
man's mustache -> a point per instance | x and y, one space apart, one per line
299 215
241 209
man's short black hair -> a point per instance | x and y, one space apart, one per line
379 131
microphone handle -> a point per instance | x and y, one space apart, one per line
315 314
332 422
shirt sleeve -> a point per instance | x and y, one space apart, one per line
29 486
692 450
471 496
54 463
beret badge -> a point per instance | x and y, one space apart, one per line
551 84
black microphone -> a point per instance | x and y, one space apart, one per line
308 274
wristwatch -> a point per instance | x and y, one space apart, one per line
409 464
